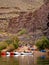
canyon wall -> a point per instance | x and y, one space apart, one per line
35 22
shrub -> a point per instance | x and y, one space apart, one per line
10 44
10 47
42 43
15 42
9 41
16 45
23 31
3 45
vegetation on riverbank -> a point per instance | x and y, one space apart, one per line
42 43
14 42
3 45
10 44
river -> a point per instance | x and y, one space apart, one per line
24 60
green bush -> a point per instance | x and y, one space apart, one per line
15 42
23 31
10 47
42 43
10 44
3 45
9 41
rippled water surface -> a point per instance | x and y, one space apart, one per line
24 60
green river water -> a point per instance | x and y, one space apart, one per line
24 60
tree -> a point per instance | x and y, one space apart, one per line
42 43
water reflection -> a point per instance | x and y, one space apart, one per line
43 60
8 61
17 60
25 60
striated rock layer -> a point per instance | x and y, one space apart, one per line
35 23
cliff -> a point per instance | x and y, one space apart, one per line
35 22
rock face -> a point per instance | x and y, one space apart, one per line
42 16
34 22
3 25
